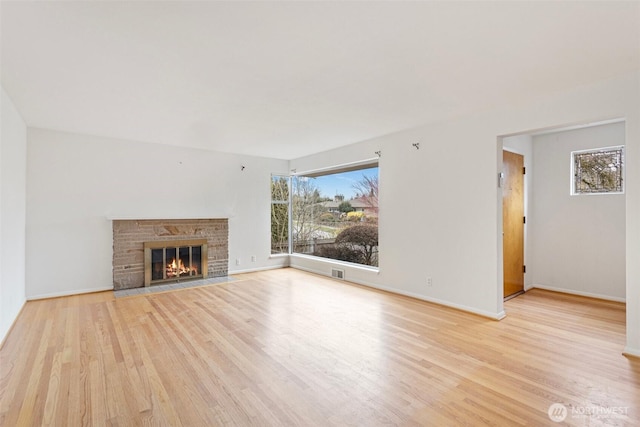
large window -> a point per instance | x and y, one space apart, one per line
330 214
280 214
335 214
598 171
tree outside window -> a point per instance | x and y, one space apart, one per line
280 214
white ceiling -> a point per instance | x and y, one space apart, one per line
287 79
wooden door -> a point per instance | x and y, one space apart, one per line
513 220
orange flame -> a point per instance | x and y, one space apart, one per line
179 269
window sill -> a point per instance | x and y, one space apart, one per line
334 262
608 193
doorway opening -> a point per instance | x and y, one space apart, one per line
572 243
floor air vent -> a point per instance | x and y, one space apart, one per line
337 274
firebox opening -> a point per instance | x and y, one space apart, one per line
174 261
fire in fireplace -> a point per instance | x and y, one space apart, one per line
173 261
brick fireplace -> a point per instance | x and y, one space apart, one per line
199 248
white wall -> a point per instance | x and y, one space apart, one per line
523 144
13 159
579 241
76 184
441 208
440 205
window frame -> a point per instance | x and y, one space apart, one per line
289 219
332 170
573 184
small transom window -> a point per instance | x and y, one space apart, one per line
598 171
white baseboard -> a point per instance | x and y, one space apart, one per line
110 288
579 293
634 352
253 270
67 293
493 316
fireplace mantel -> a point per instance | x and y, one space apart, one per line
156 218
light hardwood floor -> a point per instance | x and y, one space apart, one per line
284 347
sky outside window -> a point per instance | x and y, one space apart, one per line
342 183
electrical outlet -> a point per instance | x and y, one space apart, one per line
237 261
253 258
429 281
